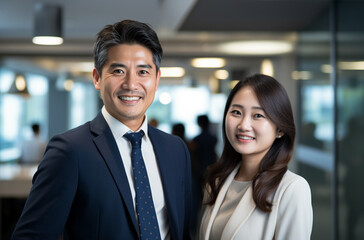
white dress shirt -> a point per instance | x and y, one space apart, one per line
118 130
32 150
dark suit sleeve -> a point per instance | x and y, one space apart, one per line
50 199
188 196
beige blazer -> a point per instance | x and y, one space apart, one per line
290 218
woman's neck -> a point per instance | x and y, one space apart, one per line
248 169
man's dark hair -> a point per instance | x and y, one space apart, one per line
35 128
130 32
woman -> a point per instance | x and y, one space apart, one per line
250 194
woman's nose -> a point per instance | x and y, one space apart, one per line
245 123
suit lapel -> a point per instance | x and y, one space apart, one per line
167 171
107 147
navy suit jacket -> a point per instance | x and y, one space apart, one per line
81 188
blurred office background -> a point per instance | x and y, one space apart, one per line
313 47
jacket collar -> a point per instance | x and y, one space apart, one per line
106 144
164 157
242 212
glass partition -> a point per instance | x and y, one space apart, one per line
315 121
350 142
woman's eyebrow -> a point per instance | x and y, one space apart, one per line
242 107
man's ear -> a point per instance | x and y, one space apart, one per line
96 78
159 73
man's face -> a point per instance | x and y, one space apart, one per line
128 83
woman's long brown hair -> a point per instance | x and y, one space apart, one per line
274 100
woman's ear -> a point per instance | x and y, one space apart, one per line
279 134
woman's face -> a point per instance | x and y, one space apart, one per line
248 128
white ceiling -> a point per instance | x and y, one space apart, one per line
187 28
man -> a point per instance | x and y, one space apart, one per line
33 149
84 186
203 154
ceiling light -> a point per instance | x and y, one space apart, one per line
172 72
46 40
354 65
256 47
47 24
301 75
326 68
68 84
221 74
19 86
208 62
267 67
165 98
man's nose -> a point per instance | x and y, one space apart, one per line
130 81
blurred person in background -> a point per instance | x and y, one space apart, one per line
203 154
178 129
32 149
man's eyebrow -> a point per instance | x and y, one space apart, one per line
115 65
145 66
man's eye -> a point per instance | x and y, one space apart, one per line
143 72
118 71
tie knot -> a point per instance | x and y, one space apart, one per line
135 138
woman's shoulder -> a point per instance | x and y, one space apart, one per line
290 177
293 184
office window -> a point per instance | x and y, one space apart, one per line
182 104
83 104
17 113
317 101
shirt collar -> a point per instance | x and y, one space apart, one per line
118 129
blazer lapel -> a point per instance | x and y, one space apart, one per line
240 215
107 147
219 200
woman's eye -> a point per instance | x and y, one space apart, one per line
235 112
258 115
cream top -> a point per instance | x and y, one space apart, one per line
232 198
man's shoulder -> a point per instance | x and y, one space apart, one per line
155 133
75 134
98 125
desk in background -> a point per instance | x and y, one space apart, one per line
15 184
16 179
